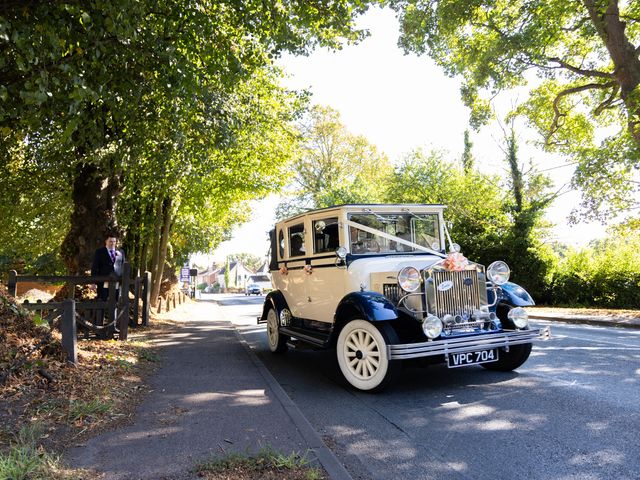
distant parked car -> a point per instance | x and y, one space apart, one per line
253 289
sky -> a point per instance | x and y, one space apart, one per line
401 102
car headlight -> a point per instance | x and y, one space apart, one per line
409 279
498 272
519 317
432 326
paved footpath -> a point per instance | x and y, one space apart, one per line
211 396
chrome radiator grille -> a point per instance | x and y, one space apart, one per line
391 291
462 298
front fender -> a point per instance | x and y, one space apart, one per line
371 306
274 299
512 294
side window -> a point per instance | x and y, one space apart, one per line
281 244
325 235
296 240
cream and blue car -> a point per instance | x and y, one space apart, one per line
384 283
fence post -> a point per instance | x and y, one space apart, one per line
112 303
136 301
123 315
69 332
173 297
13 282
146 298
159 305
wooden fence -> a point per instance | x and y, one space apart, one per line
170 300
105 319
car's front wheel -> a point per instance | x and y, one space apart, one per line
277 341
517 354
363 356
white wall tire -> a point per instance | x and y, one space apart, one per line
363 357
277 341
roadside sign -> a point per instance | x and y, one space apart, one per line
184 274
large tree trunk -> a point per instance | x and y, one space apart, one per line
624 56
94 202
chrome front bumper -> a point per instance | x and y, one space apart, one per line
468 344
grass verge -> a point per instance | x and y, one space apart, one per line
267 464
25 459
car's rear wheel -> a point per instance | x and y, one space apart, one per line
277 341
517 354
363 357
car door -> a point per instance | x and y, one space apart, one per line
324 281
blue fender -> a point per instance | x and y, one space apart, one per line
274 299
512 294
371 306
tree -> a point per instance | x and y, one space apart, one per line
489 221
529 258
474 201
252 262
467 154
585 53
333 166
94 90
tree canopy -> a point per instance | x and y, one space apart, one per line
333 166
586 102
151 118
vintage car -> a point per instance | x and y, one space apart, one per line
385 283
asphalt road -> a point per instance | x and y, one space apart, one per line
571 412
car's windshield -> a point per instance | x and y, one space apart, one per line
393 233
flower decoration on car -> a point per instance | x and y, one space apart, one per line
455 261
308 269
284 270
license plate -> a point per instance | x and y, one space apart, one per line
472 358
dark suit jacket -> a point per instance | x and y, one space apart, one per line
103 265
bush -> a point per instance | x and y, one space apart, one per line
605 274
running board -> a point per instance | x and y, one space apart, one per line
305 337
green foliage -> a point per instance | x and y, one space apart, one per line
585 55
25 461
249 260
530 259
489 222
81 410
266 463
604 274
474 201
467 154
333 166
143 101
227 274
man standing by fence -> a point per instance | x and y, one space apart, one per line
107 260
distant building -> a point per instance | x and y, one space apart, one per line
238 276
209 275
